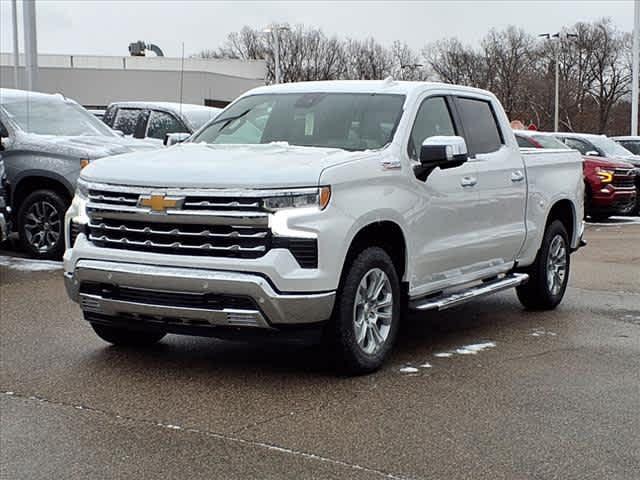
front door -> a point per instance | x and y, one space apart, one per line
443 223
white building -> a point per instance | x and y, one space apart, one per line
96 81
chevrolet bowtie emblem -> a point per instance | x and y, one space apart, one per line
160 203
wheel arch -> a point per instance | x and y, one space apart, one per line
564 210
31 181
386 234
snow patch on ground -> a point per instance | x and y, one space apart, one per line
541 332
443 355
28 265
409 370
472 349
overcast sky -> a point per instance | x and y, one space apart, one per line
100 27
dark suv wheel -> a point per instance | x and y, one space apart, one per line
41 224
367 313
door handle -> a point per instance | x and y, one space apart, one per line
468 181
517 176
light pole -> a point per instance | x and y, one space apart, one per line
16 51
30 43
556 111
636 66
275 30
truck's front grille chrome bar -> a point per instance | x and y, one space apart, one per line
177 232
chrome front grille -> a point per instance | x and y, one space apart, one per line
623 178
193 201
202 223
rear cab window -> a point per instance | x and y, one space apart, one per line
480 126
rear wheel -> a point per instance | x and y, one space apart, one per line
41 224
125 337
549 275
367 313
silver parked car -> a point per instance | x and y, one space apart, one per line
45 141
156 120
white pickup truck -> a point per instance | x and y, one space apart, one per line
323 206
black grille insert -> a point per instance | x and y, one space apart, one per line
206 301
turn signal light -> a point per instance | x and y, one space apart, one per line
83 163
325 196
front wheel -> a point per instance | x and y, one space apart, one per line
549 275
367 313
41 224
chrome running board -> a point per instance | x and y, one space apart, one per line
448 300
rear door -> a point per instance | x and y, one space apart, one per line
501 185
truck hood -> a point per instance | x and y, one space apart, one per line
607 162
84 146
192 165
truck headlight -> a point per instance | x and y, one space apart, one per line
606 176
297 198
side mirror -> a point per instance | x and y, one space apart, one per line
592 153
120 133
173 138
443 152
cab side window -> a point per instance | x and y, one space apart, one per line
126 120
433 119
481 131
582 147
161 123
524 142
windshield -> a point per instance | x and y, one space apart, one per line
632 145
609 147
52 116
350 121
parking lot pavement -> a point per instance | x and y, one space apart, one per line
484 391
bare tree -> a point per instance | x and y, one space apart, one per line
452 62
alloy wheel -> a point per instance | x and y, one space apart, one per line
42 226
373 311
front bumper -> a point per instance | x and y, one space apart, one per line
177 287
615 201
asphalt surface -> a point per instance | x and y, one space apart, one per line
552 395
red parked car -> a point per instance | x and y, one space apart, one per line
609 184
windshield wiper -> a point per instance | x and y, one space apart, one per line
228 120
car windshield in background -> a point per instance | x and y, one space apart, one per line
610 148
53 116
547 141
349 121
632 145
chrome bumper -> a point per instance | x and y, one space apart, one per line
272 308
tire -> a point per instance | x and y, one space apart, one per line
41 224
549 275
124 337
364 327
